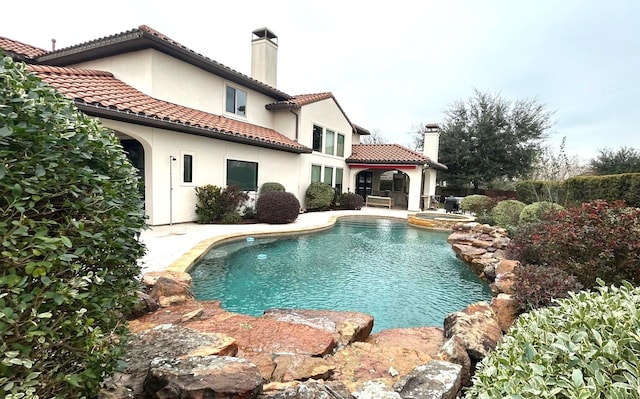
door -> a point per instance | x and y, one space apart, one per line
363 183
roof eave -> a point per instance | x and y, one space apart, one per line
124 116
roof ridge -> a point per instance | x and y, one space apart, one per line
68 70
35 51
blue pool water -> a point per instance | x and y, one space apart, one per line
401 275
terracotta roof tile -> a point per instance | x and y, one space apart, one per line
23 50
300 100
103 90
389 154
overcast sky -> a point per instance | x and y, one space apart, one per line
394 65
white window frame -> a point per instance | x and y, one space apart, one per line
235 101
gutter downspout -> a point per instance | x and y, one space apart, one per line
297 123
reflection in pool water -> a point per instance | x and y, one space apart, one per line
402 276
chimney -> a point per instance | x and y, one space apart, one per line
264 56
431 141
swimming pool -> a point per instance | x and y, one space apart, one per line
401 275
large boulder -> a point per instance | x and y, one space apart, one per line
346 327
453 351
150 279
506 310
424 339
311 389
435 380
203 377
170 292
477 328
301 368
363 361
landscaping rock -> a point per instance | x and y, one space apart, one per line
364 361
305 390
203 377
145 304
477 328
506 310
435 380
428 340
507 266
149 279
346 327
301 368
504 283
170 292
454 351
376 390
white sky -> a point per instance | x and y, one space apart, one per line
394 65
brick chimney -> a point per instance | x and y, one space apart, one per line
264 56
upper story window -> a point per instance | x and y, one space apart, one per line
317 138
236 101
340 145
329 145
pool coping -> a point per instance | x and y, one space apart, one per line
186 261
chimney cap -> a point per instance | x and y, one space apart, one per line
431 127
262 33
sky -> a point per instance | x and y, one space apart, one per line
395 65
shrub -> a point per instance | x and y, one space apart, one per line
271 186
595 240
213 202
319 196
536 211
277 207
71 217
535 286
476 203
352 201
585 347
507 213
231 218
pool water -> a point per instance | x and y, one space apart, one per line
401 275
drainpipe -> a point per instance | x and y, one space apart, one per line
172 159
297 116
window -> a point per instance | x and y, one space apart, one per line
328 175
317 138
329 147
242 174
187 168
316 170
340 149
339 180
236 101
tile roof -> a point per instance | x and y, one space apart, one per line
22 50
145 37
389 154
104 95
300 100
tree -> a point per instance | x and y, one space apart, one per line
487 138
417 137
70 217
625 160
374 138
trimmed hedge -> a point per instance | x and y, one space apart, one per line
507 213
478 204
277 207
580 189
586 346
535 212
71 218
271 186
319 196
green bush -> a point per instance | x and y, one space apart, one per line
595 240
213 203
536 211
319 196
71 218
587 346
271 186
277 207
476 203
231 218
536 286
507 213
353 201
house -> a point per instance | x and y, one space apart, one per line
186 120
